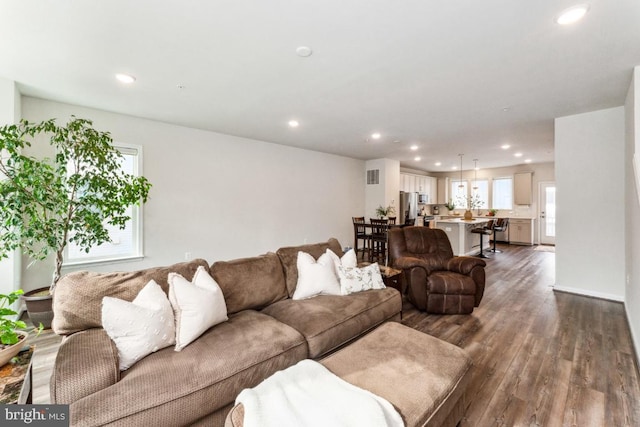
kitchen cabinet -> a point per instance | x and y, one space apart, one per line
428 185
521 231
522 193
408 183
443 191
433 190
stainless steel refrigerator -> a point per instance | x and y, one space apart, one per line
408 207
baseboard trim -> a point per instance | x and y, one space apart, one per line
634 344
600 295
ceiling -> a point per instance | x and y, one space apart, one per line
455 76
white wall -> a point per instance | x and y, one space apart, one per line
222 197
590 175
9 113
632 223
385 193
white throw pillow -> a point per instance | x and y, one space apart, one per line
140 327
348 260
360 279
197 305
315 277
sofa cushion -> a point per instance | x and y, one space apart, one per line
178 388
289 257
77 300
328 321
250 283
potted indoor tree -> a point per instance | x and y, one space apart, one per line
46 203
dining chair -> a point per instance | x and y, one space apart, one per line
378 240
360 233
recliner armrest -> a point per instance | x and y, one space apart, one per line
86 363
410 262
464 264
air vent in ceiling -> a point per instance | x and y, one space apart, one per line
373 177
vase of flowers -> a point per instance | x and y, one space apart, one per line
471 202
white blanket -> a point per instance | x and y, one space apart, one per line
308 394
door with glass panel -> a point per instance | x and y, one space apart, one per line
547 214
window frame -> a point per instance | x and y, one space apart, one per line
454 190
137 218
485 205
493 192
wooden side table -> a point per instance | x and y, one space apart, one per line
15 378
392 277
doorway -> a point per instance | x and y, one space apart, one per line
547 213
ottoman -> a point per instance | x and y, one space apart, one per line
423 377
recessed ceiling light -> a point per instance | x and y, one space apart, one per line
438 163
573 14
417 158
518 154
413 147
293 123
454 167
125 78
528 161
375 135
505 146
304 51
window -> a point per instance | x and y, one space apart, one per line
483 193
459 192
125 243
502 193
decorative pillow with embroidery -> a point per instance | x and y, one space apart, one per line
140 327
360 279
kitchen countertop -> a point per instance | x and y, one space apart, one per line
478 220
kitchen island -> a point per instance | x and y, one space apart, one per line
463 241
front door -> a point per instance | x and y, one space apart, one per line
547 214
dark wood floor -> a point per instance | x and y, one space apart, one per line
542 358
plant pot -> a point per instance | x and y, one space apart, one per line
468 215
39 306
10 352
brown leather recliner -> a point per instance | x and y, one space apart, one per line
436 280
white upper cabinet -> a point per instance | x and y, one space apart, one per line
428 185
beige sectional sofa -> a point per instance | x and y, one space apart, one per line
267 331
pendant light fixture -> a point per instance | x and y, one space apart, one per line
475 179
460 185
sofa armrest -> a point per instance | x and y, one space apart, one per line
87 362
464 264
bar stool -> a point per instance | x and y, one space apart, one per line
486 230
360 233
500 225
